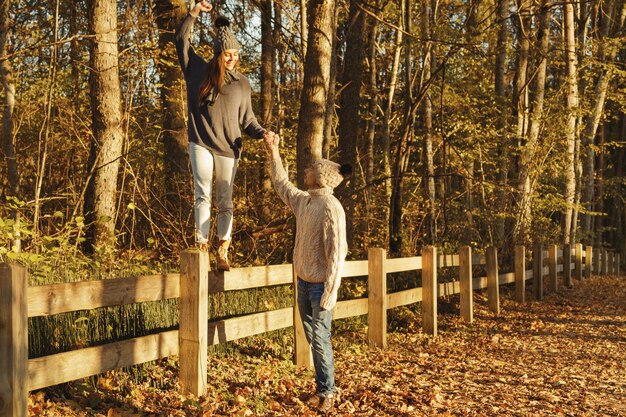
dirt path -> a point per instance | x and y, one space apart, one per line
563 356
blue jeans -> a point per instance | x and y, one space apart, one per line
317 325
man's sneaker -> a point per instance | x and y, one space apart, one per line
326 404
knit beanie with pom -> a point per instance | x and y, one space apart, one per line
224 38
329 173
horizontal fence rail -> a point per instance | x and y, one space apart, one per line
191 287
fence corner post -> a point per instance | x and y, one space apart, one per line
377 298
193 326
553 278
493 281
567 265
429 290
520 273
538 259
302 351
465 277
578 261
588 260
13 341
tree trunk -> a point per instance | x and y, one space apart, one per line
529 150
106 107
329 119
428 166
571 72
403 150
8 82
351 129
607 54
315 85
501 122
267 61
174 134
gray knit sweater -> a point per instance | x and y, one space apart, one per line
216 126
321 245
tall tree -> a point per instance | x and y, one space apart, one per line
571 72
351 125
530 149
610 24
106 106
8 82
428 164
502 118
315 85
267 61
174 133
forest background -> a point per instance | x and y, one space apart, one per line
468 123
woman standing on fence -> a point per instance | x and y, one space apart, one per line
318 256
219 105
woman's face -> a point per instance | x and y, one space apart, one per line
231 57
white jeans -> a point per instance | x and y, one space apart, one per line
202 164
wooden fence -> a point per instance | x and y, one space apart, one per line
18 302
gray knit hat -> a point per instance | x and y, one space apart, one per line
224 38
329 173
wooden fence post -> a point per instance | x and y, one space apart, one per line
13 341
588 260
538 271
578 261
553 279
610 264
520 273
493 284
605 262
465 277
377 298
567 265
303 357
429 290
193 327
597 257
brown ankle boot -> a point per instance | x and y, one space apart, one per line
222 255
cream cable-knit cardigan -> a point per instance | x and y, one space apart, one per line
321 245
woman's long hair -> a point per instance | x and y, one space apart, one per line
214 78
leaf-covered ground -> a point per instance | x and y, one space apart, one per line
563 356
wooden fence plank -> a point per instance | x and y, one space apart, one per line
377 298
48 300
403 264
193 306
553 279
429 290
68 366
403 298
465 276
493 283
538 271
249 277
520 273
13 341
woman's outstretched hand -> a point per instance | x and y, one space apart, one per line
201 7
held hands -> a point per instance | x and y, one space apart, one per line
201 6
271 143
